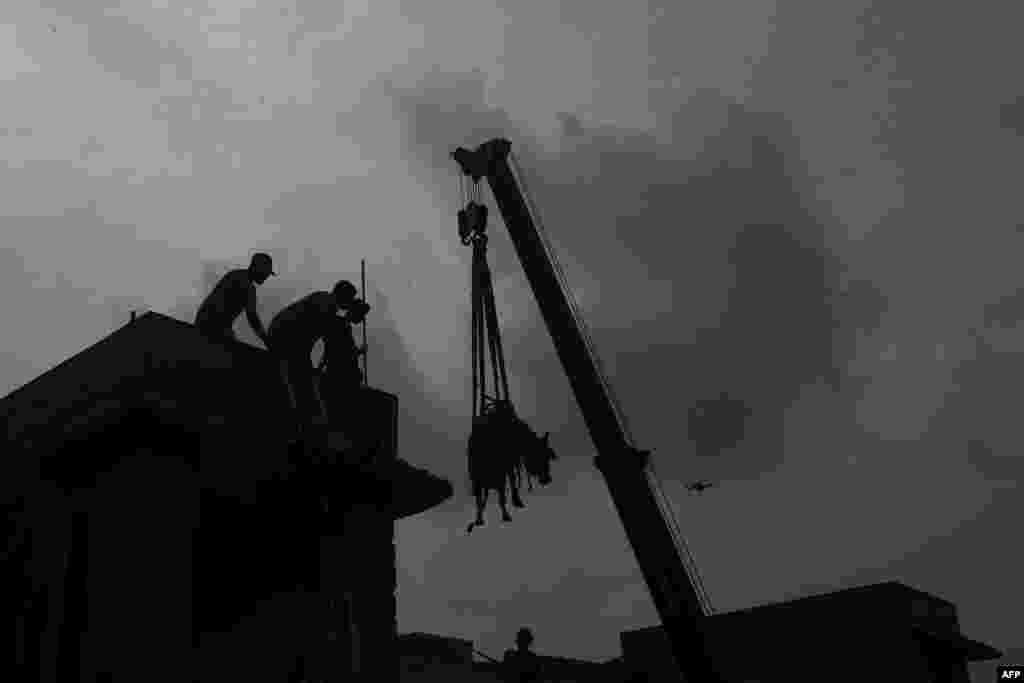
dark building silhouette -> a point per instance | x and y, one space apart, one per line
880 632
430 657
160 530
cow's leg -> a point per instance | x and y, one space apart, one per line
470 527
480 494
481 503
514 481
502 502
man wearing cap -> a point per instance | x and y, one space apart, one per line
522 665
341 354
295 330
236 292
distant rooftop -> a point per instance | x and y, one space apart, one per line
860 608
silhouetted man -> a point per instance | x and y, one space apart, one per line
236 292
341 377
293 333
522 665
341 355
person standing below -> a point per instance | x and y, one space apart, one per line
236 292
292 334
522 665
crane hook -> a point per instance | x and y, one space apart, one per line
472 222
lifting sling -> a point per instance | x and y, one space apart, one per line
485 333
496 442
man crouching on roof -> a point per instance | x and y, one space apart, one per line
293 333
236 292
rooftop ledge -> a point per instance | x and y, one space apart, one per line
157 373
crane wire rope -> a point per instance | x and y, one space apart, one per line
491 321
464 199
486 331
682 547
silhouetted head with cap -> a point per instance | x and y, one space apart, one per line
524 638
261 267
344 293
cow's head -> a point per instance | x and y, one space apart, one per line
537 458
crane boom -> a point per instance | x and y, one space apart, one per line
676 595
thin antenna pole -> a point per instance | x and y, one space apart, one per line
362 279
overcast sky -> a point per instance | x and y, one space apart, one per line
812 206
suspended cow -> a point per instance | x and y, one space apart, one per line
502 451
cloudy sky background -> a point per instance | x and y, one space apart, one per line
812 206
